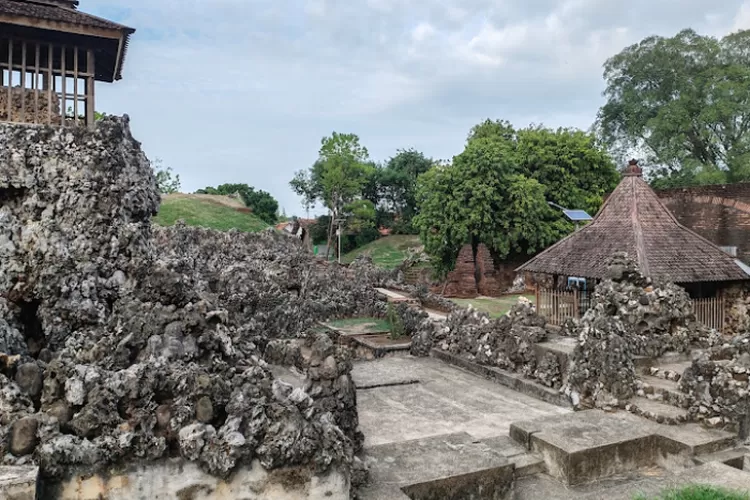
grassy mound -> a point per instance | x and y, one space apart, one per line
388 252
215 212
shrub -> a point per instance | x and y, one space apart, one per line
397 324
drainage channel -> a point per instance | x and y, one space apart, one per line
387 384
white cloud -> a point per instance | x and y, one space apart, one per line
742 18
242 91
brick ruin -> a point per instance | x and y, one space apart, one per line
719 213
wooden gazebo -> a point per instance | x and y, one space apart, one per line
50 56
634 220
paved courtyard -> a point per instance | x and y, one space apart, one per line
413 398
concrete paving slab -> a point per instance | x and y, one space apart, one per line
446 400
648 482
592 444
440 467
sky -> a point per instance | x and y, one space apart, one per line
242 91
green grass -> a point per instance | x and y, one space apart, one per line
387 252
698 493
366 325
495 307
204 212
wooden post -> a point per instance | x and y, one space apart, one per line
75 85
36 83
10 80
50 82
537 298
90 85
23 82
576 304
64 87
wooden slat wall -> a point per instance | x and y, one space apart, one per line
17 73
559 305
710 312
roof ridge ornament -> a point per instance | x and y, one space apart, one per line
633 170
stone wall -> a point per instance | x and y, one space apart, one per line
185 480
42 107
719 213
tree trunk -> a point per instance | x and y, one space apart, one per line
330 235
477 270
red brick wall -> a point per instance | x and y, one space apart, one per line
719 213
494 279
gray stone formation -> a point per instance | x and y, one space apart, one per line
629 316
120 341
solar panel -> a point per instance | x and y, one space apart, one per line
577 215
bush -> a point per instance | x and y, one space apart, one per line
698 493
397 324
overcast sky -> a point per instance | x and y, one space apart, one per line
243 90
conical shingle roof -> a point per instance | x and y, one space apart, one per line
634 220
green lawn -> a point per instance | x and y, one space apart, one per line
203 211
698 493
362 325
494 306
387 252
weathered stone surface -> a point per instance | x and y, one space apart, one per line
23 437
135 328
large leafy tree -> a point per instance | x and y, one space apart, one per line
337 177
260 202
397 183
684 103
497 191
167 181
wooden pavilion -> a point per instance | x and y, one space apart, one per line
634 220
51 54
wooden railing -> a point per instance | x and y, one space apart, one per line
710 312
559 305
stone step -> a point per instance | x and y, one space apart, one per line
450 467
591 445
666 391
512 380
561 347
735 457
657 411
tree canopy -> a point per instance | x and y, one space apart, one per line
497 191
684 102
166 180
337 178
260 202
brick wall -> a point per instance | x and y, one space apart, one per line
719 213
494 278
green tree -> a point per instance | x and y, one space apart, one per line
337 177
497 191
260 202
684 102
166 180
398 186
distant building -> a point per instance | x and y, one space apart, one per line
51 55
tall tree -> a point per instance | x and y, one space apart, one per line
497 191
398 184
684 102
337 177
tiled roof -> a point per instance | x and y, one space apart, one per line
57 12
634 220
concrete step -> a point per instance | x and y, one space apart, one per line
657 411
561 347
450 467
590 445
664 390
739 458
512 380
